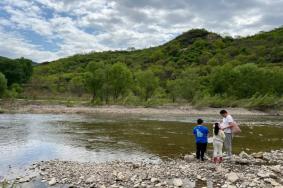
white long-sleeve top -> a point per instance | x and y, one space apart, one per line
220 137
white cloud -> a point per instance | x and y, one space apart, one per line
14 46
77 26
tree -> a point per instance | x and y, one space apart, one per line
77 85
120 78
3 84
95 78
147 83
174 89
27 69
16 71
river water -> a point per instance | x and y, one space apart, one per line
27 138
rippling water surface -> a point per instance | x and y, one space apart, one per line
27 138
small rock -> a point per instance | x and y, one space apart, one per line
177 182
52 182
258 155
231 186
232 177
120 176
272 182
24 179
189 158
276 169
135 166
242 161
262 174
253 184
136 185
133 178
244 155
158 185
154 180
91 179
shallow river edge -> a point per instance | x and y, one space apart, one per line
263 169
38 108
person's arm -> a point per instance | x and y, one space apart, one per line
221 126
223 135
231 124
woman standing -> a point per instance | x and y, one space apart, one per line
218 139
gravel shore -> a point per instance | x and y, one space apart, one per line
184 110
263 169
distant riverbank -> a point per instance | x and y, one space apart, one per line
45 107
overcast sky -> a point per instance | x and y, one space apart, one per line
44 30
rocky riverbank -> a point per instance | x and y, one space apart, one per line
256 170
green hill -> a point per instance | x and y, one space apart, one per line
198 67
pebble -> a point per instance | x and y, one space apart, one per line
232 177
177 182
52 182
24 179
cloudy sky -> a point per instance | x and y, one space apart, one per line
44 30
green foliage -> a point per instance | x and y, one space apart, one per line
244 81
96 77
17 70
120 79
198 66
3 84
174 89
147 84
77 85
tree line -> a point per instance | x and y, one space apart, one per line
13 73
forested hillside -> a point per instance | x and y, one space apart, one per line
197 67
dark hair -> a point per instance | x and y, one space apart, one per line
223 112
200 121
216 128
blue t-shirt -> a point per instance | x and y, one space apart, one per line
200 133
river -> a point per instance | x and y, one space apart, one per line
28 138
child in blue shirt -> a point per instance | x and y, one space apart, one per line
201 133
